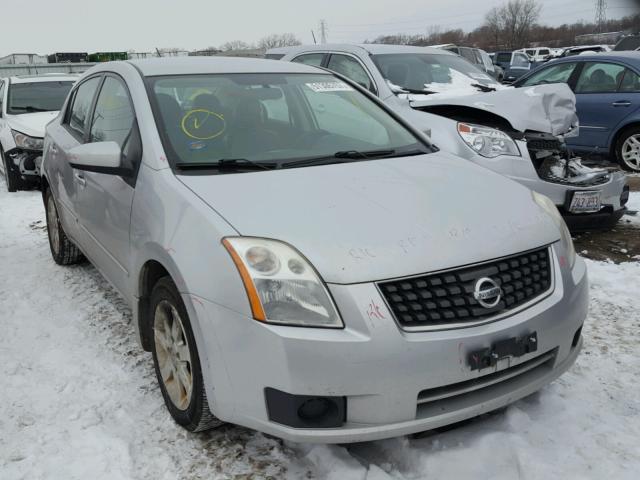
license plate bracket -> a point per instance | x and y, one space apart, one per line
510 347
584 201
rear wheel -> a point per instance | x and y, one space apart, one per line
63 250
176 361
628 149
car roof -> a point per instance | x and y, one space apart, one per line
622 55
202 65
47 77
370 48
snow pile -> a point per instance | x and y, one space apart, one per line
79 398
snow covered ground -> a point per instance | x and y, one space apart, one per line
78 398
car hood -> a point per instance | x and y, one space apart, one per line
367 221
542 108
31 124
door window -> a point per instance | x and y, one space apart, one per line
113 116
2 84
520 60
630 82
555 74
599 78
314 59
78 115
350 68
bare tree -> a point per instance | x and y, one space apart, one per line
235 45
519 17
278 40
494 23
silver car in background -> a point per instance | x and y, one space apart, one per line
517 133
298 259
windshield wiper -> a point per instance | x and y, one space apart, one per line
344 156
28 108
416 92
483 88
227 164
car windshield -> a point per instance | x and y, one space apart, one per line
37 96
430 72
272 120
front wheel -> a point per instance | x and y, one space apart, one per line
628 149
176 361
14 182
63 250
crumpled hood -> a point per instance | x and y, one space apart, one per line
32 124
542 108
366 221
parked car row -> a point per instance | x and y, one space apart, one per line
469 114
299 258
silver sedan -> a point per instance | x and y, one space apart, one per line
299 259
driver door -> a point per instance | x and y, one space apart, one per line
104 200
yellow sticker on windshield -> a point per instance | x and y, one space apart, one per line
202 124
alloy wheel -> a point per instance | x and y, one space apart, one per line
173 354
630 152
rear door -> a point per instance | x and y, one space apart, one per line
600 106
62 137
104 200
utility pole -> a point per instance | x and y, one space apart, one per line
323 31
601 15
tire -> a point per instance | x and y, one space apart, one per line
63 250
176 360
627 149
14 182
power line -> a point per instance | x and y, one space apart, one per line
601 15
323 31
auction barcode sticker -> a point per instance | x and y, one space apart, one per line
329 87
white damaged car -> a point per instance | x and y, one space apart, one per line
518 133
27 104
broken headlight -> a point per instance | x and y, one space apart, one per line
282 286
27 142
486 141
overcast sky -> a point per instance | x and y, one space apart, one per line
47 26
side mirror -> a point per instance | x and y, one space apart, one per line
99 157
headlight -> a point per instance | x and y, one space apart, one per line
565 236
488 142
281 284
25 141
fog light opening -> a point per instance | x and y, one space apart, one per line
315 408
576 337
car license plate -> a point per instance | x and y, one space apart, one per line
510 347
585 202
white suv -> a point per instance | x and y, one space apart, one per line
27 104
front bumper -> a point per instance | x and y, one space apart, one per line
393 381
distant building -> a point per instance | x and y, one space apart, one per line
209 52
23 59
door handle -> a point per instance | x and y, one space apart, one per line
621 103
80 179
